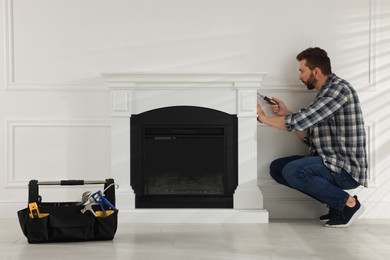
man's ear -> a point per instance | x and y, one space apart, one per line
317 72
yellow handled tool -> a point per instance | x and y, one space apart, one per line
34 211
100 214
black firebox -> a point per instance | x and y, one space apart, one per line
184 157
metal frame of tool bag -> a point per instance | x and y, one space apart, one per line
43 222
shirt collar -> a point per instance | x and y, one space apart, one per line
330 78
328 81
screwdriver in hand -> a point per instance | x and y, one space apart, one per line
269 100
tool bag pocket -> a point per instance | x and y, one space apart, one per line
69 224
61 221
105 227
35 229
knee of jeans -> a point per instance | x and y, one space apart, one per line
274 171
274 167
276 176
293 175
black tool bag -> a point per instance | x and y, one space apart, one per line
64 221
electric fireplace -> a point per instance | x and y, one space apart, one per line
184 157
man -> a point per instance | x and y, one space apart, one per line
332 125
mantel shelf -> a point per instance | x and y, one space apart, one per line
128 80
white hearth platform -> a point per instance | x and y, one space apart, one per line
193 216
134 93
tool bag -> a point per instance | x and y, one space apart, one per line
64 221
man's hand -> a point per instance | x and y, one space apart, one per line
260 113
280 109
274 121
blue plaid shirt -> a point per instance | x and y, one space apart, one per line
334 121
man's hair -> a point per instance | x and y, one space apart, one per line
316 57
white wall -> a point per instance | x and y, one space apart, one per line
54 106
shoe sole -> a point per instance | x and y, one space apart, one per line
349 223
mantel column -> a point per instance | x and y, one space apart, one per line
247 194
120 147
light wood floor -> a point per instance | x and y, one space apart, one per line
280 239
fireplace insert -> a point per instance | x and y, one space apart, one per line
184 157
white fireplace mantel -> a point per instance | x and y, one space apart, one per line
234 93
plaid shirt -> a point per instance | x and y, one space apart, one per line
334 121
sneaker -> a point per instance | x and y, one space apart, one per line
331 214
347 216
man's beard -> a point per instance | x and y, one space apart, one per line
310 83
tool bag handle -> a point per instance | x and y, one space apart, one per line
33 190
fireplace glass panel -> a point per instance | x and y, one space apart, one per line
184 161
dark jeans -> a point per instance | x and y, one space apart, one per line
310 176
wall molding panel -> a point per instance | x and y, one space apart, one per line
10 81
11 180
370 85
371 155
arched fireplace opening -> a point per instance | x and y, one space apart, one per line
184 157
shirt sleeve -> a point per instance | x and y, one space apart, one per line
327 103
